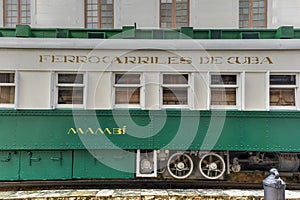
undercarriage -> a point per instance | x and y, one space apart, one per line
210 164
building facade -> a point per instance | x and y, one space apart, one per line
150 14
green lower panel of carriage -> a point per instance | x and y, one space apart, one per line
44 165
66 144
9 165
104 164
35 165
61 165
142 129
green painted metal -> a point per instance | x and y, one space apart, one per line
128 32
61 164
45 165
103 164
157 129
9 165
34 130
66 144
131 32
285 32
62 33
23 31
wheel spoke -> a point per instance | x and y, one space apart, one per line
218 161
180 165
205 162
212 166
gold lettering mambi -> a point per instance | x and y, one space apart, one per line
96 131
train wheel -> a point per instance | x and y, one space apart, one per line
180 165
212 166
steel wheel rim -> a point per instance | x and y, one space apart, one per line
180 165
212 166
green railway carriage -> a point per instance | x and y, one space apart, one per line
128 103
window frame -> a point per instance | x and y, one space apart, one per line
10 105
173 14
251 15
99 15
284 86
237 87
19 17
79 85
187 86
140 86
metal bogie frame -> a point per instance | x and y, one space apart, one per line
146 163
248 160
212 166
181 164
208 164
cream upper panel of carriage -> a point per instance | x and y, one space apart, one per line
148 60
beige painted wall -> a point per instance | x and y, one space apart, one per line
99 87
144 13
283 13
214 13
255 91
36 80
58 14
34 90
